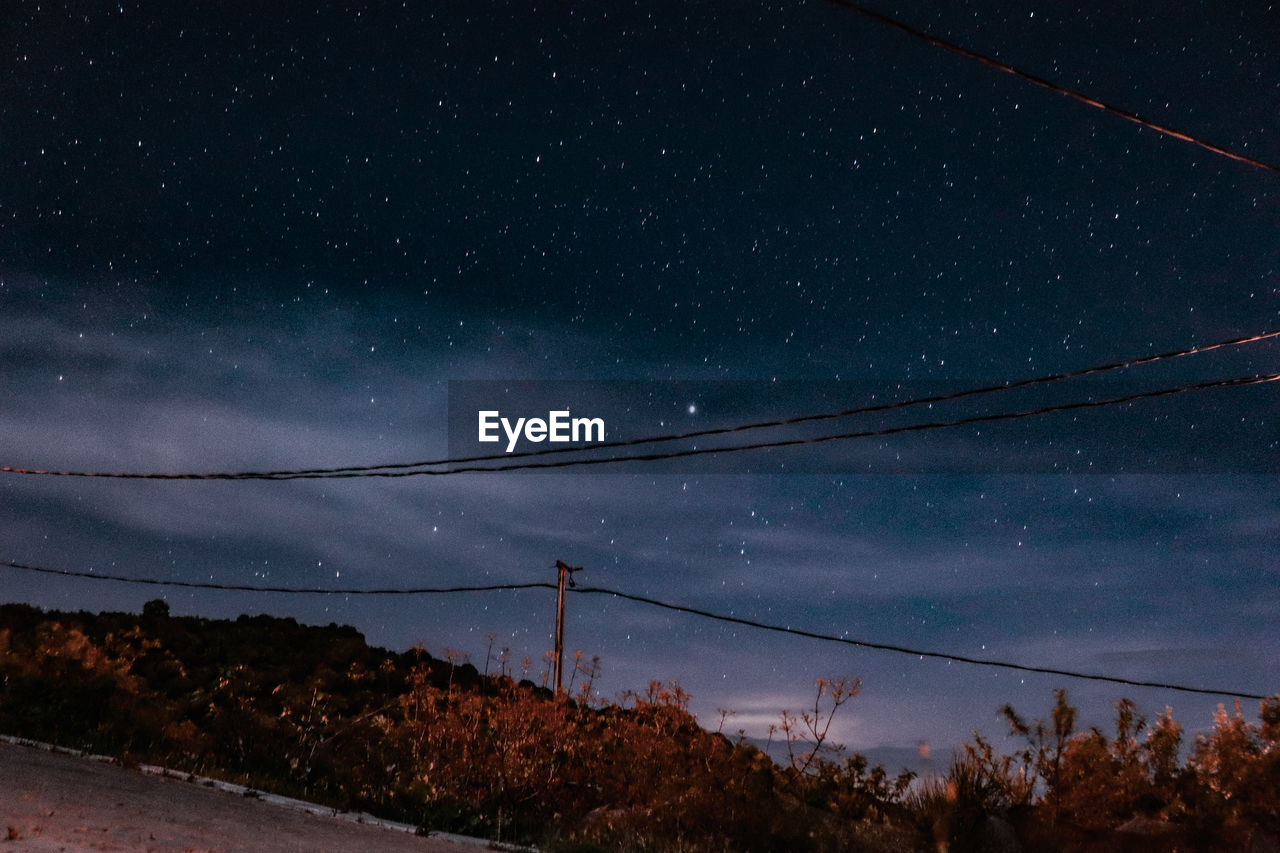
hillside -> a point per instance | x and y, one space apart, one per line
318 714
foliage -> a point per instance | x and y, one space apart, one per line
1236 768
315 712
1064 787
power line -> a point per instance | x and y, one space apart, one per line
752 623
1051 86
1237 382
409 468
809 418
640 599
288 590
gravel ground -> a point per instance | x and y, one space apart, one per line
53 801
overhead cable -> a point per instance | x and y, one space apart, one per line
409 468
1051 86
288 590
640 599
877 408
1236 382
885 647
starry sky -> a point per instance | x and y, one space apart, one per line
237 236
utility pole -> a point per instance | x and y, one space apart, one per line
565 575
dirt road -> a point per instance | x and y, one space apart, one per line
56 802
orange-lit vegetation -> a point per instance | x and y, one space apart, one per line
1086 790
317 713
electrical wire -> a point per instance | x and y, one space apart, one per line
885 647
288 590
1051 86
808 418
653 602
1237 382
408 468
677 454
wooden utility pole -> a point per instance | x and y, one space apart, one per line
565 575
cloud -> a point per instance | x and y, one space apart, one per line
1058 570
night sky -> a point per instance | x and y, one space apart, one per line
241 236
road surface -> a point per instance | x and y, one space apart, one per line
52 802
